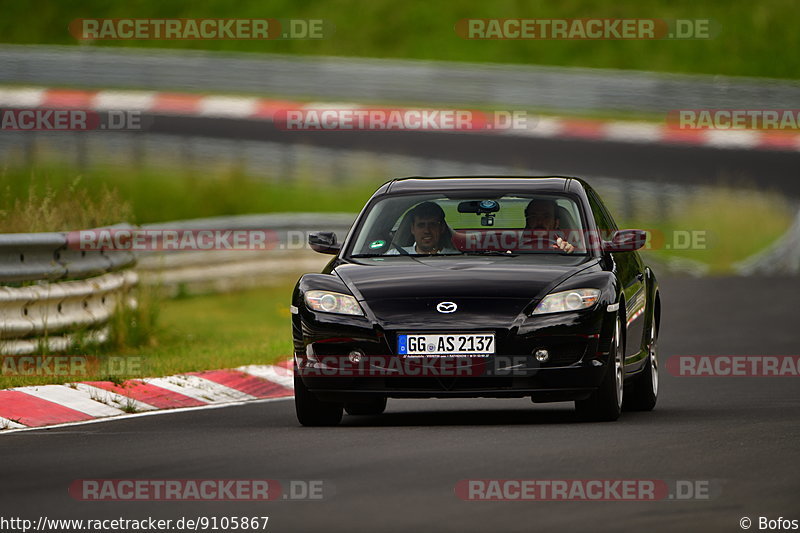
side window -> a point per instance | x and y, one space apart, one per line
605 223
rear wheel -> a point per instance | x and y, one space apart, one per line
643 392
605 404
373 407
311 411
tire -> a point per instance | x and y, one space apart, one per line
374 407
311 411
605 404
643 393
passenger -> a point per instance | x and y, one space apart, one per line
540 216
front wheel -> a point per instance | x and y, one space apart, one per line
643 392
311 411
605 404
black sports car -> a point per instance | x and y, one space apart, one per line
478 287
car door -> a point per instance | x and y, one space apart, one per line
630 273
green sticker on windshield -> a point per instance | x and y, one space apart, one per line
377 244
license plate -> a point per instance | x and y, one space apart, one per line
427 344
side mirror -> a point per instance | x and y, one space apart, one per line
626 240
324 242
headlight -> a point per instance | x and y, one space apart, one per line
573 300
332 302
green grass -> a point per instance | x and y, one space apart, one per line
29 204
756 38
734 224
222 331
54 199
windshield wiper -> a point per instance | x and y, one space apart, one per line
449 254
492 252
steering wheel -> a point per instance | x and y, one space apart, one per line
542 242
399 249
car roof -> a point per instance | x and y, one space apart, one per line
500 183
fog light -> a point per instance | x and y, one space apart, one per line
542 355
356 355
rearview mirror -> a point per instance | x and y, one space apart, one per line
324 242
626 240
479 206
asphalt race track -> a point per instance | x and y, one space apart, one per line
398 472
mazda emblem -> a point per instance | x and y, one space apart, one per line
446 307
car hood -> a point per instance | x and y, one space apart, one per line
458 277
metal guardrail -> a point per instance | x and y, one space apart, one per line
358 79
25 257
280 223
193 272
49 291
50 313
47 256
782 257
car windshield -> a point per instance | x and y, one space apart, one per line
471 224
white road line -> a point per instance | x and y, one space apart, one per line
633 131
199 388
5 423
228 106
336 106
276 374
22 97
79 400
125 100
732 139
542 127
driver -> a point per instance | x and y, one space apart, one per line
540 216
430 231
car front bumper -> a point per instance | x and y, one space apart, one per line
578 345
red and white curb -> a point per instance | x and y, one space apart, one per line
265 109
47 405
